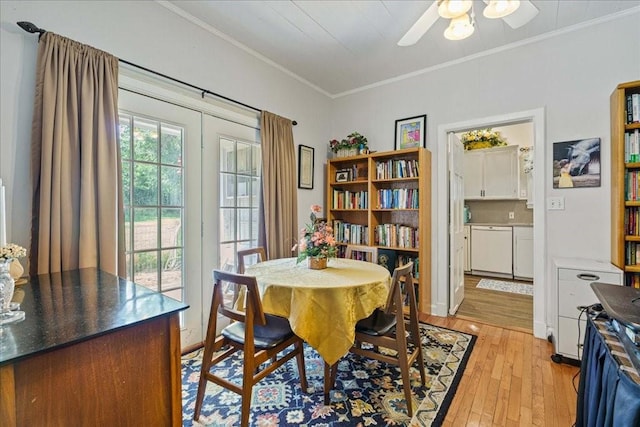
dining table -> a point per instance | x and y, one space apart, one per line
323 306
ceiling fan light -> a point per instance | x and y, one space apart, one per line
500 8
453 8
460 28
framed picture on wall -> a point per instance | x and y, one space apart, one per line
305 167
411 132
576 163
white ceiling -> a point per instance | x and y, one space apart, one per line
342 46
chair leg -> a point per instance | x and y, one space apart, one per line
329 380
302 372
247 391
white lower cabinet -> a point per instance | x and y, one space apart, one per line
573 286
492 251
523 253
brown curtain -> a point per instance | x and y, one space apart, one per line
279 219
77 215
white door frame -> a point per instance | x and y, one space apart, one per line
440 292
456 222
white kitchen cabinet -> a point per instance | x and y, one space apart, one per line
573 286
491 173
492 251
467 248
523 253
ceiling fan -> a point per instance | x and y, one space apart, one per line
516 13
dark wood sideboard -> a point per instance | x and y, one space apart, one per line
93 349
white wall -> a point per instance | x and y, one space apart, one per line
150 35
570 75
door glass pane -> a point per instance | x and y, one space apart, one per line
228 257
171 269
227 155
244 158
244 224
244 190
170 145
171 228
145 234
145 184
171 186
227 190
145 140
227 225
256 156
145 269
125 137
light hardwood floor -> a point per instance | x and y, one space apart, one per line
510 380
508 310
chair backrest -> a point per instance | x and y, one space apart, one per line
259 251
362 253
402 290
251 312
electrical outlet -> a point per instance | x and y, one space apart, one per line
555 203
512 215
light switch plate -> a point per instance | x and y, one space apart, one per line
555 203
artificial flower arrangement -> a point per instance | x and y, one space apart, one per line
482 138
353 140
316 239
12 251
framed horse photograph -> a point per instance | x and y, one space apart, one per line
576 163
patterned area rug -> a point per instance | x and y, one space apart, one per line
501 285
367 392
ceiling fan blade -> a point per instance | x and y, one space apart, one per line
525 13
422 25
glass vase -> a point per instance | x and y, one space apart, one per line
7 286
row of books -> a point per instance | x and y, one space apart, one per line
405 259
396 235
398 198
632 253
345 232
632 280
633 108
345 199
632 185
397 169
632 221
632 146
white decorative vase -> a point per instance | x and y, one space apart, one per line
7 285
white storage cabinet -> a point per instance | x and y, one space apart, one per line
573 283
523 253
491 173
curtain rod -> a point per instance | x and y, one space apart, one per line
32 28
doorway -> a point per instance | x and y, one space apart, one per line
441 293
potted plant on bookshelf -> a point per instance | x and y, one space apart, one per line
352 145
482 138
316 243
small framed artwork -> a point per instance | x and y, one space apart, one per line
343 175
305 167
411 132
576 163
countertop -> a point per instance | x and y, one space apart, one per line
493 224
65 308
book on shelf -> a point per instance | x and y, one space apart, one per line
398 198
397 169
633 108
632 146
396 236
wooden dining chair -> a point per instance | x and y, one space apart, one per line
242 255
387 328
362 253
260 337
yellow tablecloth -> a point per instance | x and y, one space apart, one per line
322 306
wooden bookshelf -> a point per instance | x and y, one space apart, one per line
398 200
625 195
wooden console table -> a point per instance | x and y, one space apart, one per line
94 349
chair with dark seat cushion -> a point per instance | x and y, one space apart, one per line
387 328
260 336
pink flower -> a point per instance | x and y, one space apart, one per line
316 208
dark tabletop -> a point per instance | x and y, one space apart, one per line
72 306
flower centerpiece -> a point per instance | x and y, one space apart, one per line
352 145
316 241
482 138
7 285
